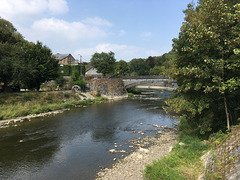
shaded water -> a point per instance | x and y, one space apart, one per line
75 144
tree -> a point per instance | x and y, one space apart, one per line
39 65
139 67
104 63
9 48
207 65
150 61
122 68
157 70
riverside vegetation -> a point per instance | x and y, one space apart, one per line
25 103
206 68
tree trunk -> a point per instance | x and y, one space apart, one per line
227 113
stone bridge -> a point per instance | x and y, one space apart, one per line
150 81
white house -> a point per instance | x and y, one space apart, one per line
93 73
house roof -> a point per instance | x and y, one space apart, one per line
89 68
61 56
93 71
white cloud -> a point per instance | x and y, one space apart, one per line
62 31
124 52
97 21
26 10
58 6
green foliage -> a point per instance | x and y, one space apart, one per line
133 90
139 66
207 66
157 70
130 94
104 63
68 70
156 65
150 61
218 138
122 68
25 103
182 163
98 94
9 47
38 65
60 80
24 63
78 80
66 95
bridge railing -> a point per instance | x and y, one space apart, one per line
144 77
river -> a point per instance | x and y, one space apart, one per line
75 144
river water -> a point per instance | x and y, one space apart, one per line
75 144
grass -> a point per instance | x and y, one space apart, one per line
182 163
130 94
25 103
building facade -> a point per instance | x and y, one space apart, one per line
65 59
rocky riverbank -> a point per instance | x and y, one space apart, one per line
132 166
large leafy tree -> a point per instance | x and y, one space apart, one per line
122 68
139 67
9 50
104 62
150 61
37 65
207 67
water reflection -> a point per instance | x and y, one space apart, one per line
74 144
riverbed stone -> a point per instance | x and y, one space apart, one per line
143 150
132 166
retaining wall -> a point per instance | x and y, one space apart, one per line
223 162
108 87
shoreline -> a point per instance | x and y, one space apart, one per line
133 165
7 122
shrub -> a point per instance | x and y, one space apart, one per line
66 95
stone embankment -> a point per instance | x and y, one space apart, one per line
133 165
223 162
108 87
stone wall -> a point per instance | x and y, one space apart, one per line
223 162
108 87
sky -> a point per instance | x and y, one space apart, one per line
129 28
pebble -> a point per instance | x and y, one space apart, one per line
112 150
143 150
132 166
154 125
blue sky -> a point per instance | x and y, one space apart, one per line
129 28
